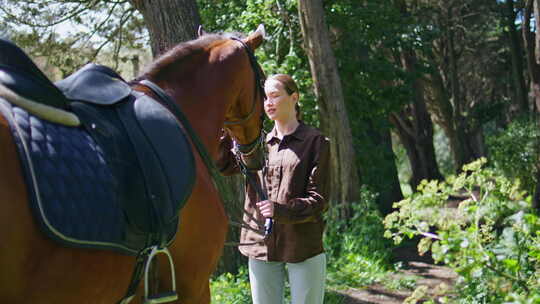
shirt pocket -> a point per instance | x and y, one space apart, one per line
272 179
293 176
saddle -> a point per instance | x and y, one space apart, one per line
20 74
116 182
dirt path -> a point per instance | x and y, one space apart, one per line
428 274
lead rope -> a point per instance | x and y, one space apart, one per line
252 179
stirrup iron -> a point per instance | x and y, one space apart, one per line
164 297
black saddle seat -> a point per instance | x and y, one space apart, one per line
95 84
19 73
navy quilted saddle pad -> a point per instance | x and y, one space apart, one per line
116 182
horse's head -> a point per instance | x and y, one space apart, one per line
244 118
218 83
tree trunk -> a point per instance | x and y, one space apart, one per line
169 22
521 100
452 121
536 196
378 163
532 50
135 63
463 151
334 120
417 138
416 133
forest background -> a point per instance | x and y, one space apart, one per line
409 91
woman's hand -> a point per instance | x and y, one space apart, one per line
266 208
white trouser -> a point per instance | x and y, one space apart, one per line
307 280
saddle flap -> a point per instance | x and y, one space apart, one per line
169 142
95 84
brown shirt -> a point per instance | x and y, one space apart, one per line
296 177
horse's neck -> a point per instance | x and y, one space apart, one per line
202 91
206 123
205 114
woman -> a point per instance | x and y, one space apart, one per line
296 180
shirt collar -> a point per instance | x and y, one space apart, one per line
297 134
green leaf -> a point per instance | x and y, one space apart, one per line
511 264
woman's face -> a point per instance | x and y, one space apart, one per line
279 105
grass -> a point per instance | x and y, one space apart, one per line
235 289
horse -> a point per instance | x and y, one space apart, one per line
214 82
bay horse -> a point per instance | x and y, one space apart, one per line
213 82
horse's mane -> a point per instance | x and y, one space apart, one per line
184 50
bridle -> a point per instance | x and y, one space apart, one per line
251 148
248 149
259 83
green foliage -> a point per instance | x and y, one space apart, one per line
515 151
367 34
282 51
407 282
235 289
231 289
368 37
492 239
358 254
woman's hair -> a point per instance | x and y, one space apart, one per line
290 87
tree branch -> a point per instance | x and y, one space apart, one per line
400 122
100 25
77 12
123 19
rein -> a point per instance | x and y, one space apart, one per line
195 139
249 149
252 179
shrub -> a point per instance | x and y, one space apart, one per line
515 151
492 240
231 289
358 254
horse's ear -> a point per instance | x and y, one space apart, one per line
200 31
255 39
